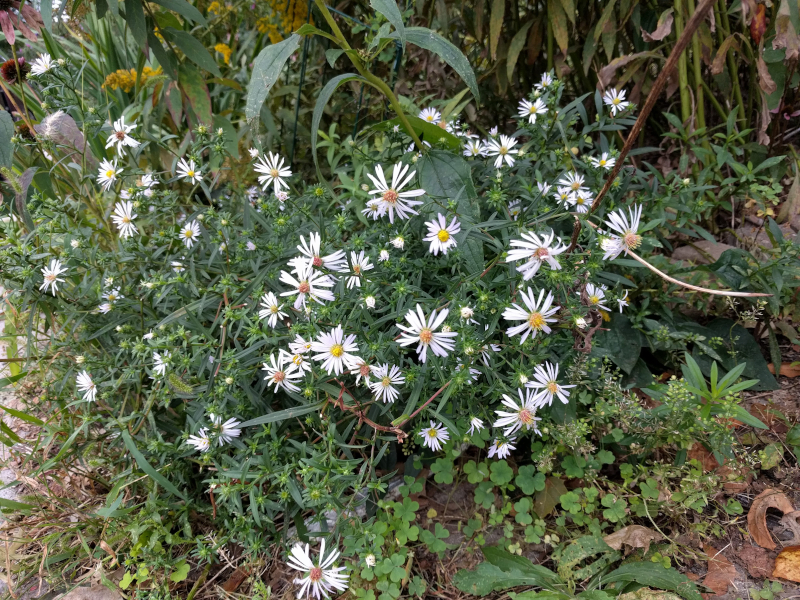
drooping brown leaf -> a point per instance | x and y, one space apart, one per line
765 81
787 565
785 34
765 118
721 573
788 210
718 65
545 501
757 516
759 24
606 74
663 28
558 20
496 25
535 38
634 536
757 560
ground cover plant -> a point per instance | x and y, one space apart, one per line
239 354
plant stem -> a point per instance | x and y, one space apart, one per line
374 81
698 79
723 23
683 75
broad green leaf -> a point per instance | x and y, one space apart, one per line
193 49
428 131
389 9
487 578
511 562
164 57
134 17
517 43
21 200
13 379
184 9
433 42
147 467
12 505
282 415
181 572
558 21
446 175
266 69
194 87
545 501
654 575
496 25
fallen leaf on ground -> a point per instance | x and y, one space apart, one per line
787 369
634 536
787 565
767 415
721 572
235 580
757 516
791 521
757 560
735 480
704 457
648 594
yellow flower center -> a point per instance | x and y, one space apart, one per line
575 185
579 200
274 173
429 118
602 162
188 233
594 299
503 151
337 350
632 240
126 219
273 309
390 196
432 433
190 173
386 382
357 269
425 336
443 235
616 101
110 173
297 359
536 320
552 387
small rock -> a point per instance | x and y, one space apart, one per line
701 252
96 592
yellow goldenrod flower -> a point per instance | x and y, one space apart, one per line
225 50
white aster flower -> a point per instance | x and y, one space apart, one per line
362 370
422 331
564 195
486 348
369 301
250 246
85 384
297 359
615 100
515 209
227 430
431 115
383 256
440 234
189 233
319 578
123 218
149 335
502 448
536 317
474 148
623 302
581 201
51 276
299 345
581 323
521 415
271 309
335 350
374 209
370 559
42 64
531 110
113 295
392 199
545 82
200 441
309 284
546 381
107 173
359 264
119 136
467 313
253 152
283 373
493 131
189 171
312 251
535 251
573 180
399 242
626 236
475 425
273 172
473 373
604 162
387 380
596 296
177 266
105 308
502 149
435 436
543 187
160 362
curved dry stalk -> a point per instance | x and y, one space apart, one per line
696 288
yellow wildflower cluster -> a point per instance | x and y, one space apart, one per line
215 8
287 16
126 80
225 50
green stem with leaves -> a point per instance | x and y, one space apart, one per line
683 69
374 81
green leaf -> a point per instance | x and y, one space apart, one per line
654 575
6 133
558 21
529 481
13 505
793 436
165 58
501 472
496 25
445 175
282 415
266 69
433 42
430 132
147 467
180 572
488 577
9 380
193 49
194 87
184 9
19 414
516 46
332 55
389 9
134 17
621 342
508 562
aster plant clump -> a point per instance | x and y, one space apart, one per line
267 344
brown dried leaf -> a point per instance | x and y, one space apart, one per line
791 521
606 74
757 560
787 369
634 536
757 516
546 500
699 453
785 33
663 28
765 81
759 24
765 118
721 573
722 52
789 208
787 565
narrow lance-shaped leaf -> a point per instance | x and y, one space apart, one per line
266 70
193 49
517 43
389 9
433 42
6 133
184 9
496 25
